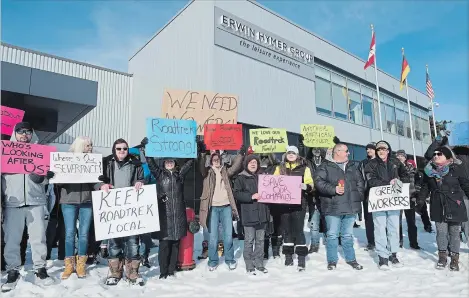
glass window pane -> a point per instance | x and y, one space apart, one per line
390 119
425 126
351 85
400 105
383 116
368 113
340 80
323 96
416 124
367 91
322 73
407 125
339 94
400 120
355 107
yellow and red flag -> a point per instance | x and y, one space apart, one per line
405 71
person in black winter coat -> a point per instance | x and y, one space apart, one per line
341 191
254 215
172 211
447 183
381 171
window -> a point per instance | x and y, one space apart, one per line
390 119
416 123
368 118
400 122
323 96
355 107
339 94
407 125
322 73
425 127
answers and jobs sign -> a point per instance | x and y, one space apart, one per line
240 36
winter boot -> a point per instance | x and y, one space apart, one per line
115 272
276 243
91 259
81 269
370 247
442 259
221 249
454 265
331 266
288 251
355 265
383 263
301 252
288 260
145 262
301 263
204 254
131 272
69 267
12 280
394 261
266 248
313 248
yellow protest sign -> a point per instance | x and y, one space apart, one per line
268 140
319 136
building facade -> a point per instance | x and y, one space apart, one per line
284 76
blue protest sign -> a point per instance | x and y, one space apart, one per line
171 138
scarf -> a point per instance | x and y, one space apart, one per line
436 171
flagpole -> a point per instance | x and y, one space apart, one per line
377 90
410 116
433 109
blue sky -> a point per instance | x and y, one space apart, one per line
108 33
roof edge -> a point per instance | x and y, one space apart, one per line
166 25
326 41
64 59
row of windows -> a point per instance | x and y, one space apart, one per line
342 98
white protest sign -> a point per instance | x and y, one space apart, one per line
72 167
125 212
386 198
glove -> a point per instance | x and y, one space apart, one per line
104 179
144 141
242 150
50 174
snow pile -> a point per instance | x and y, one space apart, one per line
418 277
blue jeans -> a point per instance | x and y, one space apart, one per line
386 243
82 212
223 215
146 244
342 225
314 227
125 247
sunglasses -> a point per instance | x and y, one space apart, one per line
24 132
437 154
123 149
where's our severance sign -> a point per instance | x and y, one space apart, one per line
387 198
171 138
72 167
9 118
125 212
318 136
202 107
223 136
279 189
25 158
268 140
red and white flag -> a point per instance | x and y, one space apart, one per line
371 55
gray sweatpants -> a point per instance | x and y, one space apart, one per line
254 236
448 232
14 222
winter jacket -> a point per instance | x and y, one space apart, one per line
76 193
252 212
209 187
326 179
380 173
24 189
447 197
171 204
298 168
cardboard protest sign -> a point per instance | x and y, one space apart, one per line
223 136
10 117
268 140
125 212
202 107
76 167
319 136
171 138
386 198
25 158
279 189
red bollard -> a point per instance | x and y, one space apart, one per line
186 245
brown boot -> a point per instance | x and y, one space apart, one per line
454 265
80 268
131 270
442 259
69 267
115 271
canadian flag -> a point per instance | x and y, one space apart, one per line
371 55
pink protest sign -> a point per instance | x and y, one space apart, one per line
25 158
279 189
10 117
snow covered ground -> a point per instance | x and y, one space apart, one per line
417 278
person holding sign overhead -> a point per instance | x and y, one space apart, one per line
123 170
172 210
25 204
341 191
292 217
381 171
